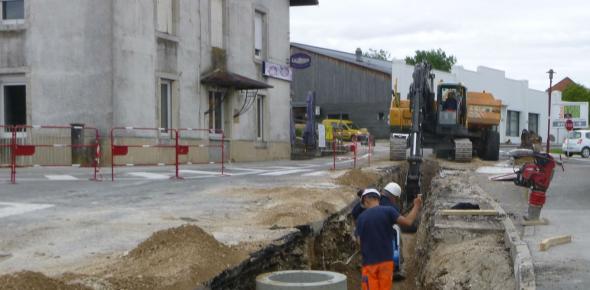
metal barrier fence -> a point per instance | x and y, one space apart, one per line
25 146
357 149
194 146
7 144
133 146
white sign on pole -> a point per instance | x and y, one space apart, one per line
321 136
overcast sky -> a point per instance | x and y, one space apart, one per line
522 37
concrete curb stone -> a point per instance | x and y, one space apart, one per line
524 272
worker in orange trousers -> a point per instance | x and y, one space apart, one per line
375 233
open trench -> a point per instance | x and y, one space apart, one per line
446 252
326 245
454 253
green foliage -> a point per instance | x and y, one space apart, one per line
377 54
576 93
437 58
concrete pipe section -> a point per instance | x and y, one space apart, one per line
295 280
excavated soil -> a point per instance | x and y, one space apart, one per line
34 281
176 258
358 179
288 207
478 263
460 252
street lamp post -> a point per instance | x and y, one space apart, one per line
550 72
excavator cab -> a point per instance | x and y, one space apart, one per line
451 104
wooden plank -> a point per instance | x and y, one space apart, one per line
554 241
465 212
539 222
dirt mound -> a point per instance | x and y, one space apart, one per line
34 281
294 206
454 256
177 258
358 179
480 263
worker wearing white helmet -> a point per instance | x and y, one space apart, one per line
389 196
393 192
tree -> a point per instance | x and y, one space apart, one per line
437 58
377 54
576 93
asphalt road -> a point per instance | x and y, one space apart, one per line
55 219
568 211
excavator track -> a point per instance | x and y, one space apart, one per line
463 150
397 149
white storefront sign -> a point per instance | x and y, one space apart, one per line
577 111
277 71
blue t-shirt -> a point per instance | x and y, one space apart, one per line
374 228
358 209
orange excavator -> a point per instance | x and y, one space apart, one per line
456 123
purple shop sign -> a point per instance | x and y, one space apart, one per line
300 61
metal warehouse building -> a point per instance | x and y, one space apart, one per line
346 85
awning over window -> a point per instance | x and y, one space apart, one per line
303 2
225 79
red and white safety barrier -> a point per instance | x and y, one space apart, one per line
20 144
135 139
193 140
356 149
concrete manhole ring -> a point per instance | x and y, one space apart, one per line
301 279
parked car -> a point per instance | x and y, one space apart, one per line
577 142
345 130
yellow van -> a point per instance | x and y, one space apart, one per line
344 130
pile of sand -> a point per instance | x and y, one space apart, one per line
294 206
358 179
176 258
34 281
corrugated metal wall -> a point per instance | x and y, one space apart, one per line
345 88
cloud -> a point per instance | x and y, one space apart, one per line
525 38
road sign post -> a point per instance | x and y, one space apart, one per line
569 125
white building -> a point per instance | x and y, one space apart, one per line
150 63
522 107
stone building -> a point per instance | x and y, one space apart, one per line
151 63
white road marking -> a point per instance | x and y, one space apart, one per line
250 170
284 172
316 173
149 175
203 172
61 177
12 208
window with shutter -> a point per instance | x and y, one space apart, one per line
217 23
259 34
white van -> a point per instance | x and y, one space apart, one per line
577 142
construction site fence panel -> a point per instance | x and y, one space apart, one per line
71 145
133 146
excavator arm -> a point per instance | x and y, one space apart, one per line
421 96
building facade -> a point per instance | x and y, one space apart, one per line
152 63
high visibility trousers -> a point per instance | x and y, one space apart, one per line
378 276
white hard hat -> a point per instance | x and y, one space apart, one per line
371 191
393 188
